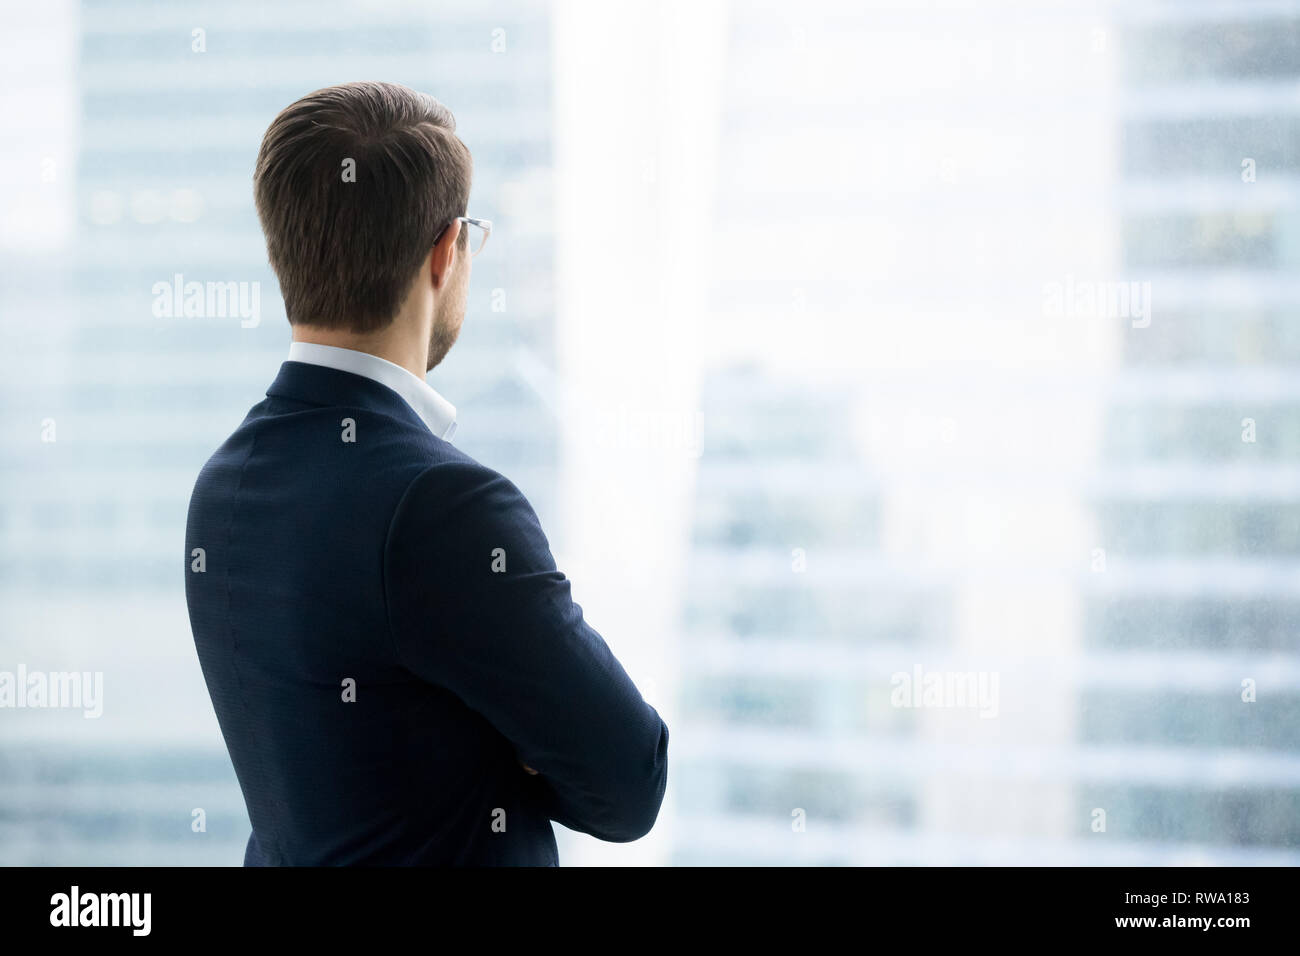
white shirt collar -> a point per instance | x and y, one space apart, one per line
434 410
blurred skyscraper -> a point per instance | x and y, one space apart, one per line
1193 699
930 467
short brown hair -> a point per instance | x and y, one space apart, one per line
346 251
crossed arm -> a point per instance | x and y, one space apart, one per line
477 605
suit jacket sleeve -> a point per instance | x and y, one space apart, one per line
477 606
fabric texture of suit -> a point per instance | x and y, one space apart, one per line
396 570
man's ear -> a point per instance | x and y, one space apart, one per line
443 257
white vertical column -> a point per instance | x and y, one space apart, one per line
636 95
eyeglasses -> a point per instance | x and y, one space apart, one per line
479 230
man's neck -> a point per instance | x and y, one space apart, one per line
400 349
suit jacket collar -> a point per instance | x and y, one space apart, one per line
434 410
327 387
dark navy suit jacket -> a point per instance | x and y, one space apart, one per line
395 570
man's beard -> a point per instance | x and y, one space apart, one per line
447 320
440 342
